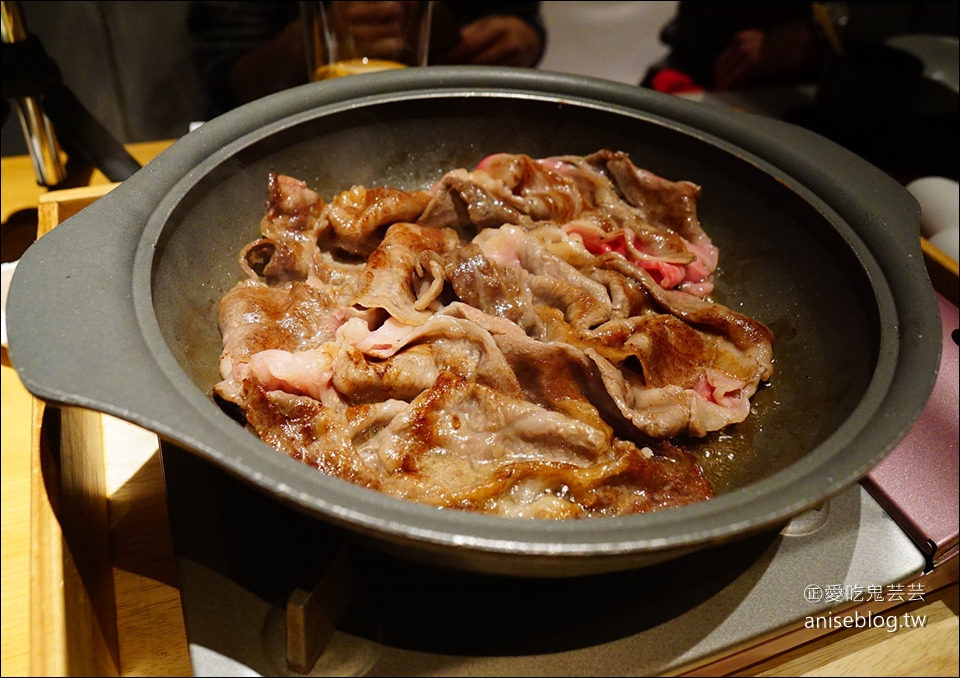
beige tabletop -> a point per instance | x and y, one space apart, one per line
150 628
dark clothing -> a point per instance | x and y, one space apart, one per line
222 31
877 21
468 12
700 31
464 13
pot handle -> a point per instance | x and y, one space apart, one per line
88 340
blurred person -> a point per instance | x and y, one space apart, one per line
247 50
737 45
128 63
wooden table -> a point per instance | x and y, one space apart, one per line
149 627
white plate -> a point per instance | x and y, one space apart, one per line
8 269
948 242
939 199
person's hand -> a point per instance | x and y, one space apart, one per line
377 28
496 41
740 61
774 54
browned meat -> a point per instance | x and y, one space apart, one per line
463 445
471 198
360 216
524 339
670 204
291 224
492 288
608 202
389 280
307 430
255 317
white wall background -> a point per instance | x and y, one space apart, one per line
612 40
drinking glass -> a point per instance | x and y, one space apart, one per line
346 38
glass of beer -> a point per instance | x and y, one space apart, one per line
347 38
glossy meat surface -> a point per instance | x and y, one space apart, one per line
524 339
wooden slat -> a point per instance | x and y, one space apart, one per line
151 632
316 607
931 651
56 207
21 192
104 597
73 623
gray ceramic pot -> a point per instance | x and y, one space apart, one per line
115 310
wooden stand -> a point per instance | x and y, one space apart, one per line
99 603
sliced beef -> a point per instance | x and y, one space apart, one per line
524 339
389 278
540 192
292 223
307 430
670 204
472 199
584 301
611 204
255 317
360 216
403 376
499 290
